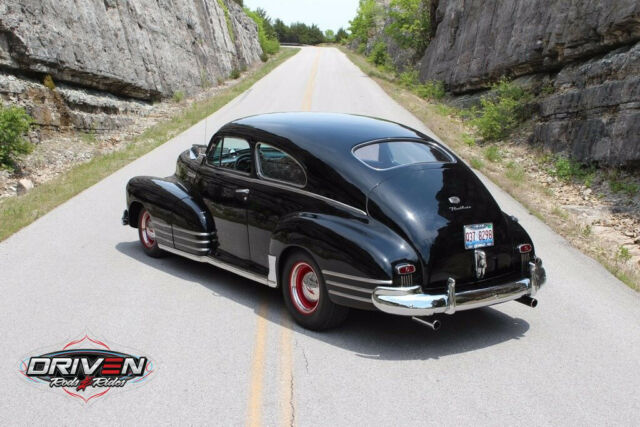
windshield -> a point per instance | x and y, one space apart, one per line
390 154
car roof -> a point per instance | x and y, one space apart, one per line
316 132
323 142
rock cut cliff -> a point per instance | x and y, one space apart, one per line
145 49
588 49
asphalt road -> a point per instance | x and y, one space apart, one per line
227 353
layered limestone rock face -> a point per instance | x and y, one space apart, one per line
586 47
145 49
595 114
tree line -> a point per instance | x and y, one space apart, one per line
276 31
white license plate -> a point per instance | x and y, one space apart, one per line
478 236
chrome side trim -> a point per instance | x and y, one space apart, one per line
299 191
340 294
186 239
181 247
160 231
161 224
273 274
357 278
190 232
220 264
353 288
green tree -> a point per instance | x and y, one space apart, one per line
341 35
281 29
364 21
14 124
329 35
410 24
267 35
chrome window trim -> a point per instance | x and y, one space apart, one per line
343 295
422 141
266 178
358 278
220 264
351 287
301 191
220 168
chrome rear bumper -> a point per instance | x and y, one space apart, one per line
411 301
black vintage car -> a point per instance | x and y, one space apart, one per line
339 211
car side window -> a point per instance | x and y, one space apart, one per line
213 157
275 164
231 153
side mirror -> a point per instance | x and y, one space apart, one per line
197 152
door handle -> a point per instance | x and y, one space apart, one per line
244 191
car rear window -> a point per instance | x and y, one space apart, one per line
390 154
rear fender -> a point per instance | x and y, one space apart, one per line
364 249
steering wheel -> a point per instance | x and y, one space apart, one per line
243 163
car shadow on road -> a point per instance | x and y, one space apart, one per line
369 334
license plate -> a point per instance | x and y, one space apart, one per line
478 236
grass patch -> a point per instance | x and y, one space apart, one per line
17 212
432 89
501 111
560 213
88 137
468 139
515 172
476 163
493 154
178 96
444 110
629 188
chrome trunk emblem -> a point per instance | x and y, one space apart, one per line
454 200
480 258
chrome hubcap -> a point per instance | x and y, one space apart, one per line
304 288
148 234
310 286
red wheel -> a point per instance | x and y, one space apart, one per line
304 288
305 294
147 234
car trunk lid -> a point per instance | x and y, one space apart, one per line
430 204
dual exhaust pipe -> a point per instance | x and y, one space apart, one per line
436 324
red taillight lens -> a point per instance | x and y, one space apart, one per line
405 269
525 248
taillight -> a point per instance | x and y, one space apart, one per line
524 248
403 269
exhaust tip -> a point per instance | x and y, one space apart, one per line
527 300
435 325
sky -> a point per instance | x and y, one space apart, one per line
327 14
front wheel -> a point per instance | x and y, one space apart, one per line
305 294
147 235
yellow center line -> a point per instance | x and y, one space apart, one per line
308 93
257 369
254 413
286 363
